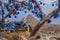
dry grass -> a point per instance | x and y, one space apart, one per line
9 35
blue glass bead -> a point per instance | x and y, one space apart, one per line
15 16
49 21
32 12
17 24
39 14
52 4
14 13
10 25
35 8
41 3
9 16
25 11
8 9
29 7
56 15
16 6
36 13
23 25
32 1
17 13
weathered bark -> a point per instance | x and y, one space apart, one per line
41 22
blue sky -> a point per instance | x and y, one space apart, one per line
48 8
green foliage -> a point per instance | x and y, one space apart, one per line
15 37
18 27
30 29
25 28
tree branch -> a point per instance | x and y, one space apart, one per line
41 22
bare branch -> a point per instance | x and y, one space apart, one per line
39 25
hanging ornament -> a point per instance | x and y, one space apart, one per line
56 15
35 8
41 3
52 4
8 9
39 14
29 7
15 16
16 13
25 11
17 6
49 21
31 1
9 16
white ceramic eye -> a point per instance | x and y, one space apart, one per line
49 1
